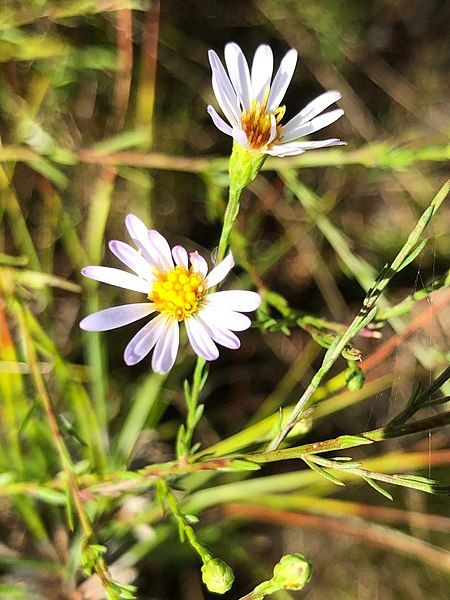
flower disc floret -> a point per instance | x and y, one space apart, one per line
262 128
178 292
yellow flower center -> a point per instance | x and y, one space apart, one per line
178 292
256 123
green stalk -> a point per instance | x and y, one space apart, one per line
366 315
194 410
243 167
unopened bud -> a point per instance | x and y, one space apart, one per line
354 378
217 575
292 572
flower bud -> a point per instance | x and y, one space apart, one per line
354 378
217 575
292 572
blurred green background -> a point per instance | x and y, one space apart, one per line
102 113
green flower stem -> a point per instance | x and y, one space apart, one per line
185 529
194 411
243 167
366 315
229 219
216 574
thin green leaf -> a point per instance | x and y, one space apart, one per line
377 487
322 472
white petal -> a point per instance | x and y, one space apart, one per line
223 90
199 339
226 318
166 348
145 339
224 104
262 68
117 277
289 134
161 250
282 80
314 108
219 122
198 263
132 259
116 316
219 273
139 234
239 74
180 256
238 300
222 336
273 129
282 151
240 137
294 148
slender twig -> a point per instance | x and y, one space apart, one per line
143 478
365 316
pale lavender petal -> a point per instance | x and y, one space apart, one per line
116 316
161 250
180 256
219 273
239 74
200 340
311 126
240 137
166 348
219 122
132 259
282 80
238 300
224 104
282 151
145 339
117 277
273 129
223 90
198 263
227 318
294 148
262 69
139 234
219 334
314 108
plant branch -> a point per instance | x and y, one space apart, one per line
366 314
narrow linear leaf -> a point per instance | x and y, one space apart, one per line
54 497
322 472
378 487
240 465
414 254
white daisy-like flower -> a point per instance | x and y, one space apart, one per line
250 101
176 285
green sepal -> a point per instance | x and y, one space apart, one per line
244 166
